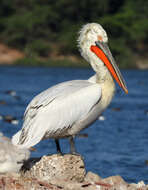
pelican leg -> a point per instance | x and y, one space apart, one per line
72 145
58 146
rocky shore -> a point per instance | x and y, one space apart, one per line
66 172
9 56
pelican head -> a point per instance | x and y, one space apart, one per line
93 47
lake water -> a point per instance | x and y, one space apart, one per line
117 145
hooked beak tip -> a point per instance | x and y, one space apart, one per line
126 91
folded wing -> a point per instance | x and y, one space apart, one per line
57 109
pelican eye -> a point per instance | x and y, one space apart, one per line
100 38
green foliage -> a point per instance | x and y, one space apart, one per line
31 61
41 28
128 30
38 47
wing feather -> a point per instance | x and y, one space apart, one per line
56 109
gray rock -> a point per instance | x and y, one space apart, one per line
62 172
92 177
67 167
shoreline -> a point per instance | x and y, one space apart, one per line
11 56
66 172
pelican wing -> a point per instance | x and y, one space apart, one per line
57 109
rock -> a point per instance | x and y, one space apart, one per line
101 118
139 186
114 180
67 185
116 109
3 102
62 172
120 187
10 119
11 92
92 177
11 182
68 167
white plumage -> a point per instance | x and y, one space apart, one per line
63 104
65 109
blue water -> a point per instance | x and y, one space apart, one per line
116 146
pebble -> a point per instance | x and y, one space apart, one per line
9 119
116 109
101 118
13 94
2 102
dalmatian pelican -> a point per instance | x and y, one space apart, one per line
67 108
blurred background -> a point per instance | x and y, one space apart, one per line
36 33
45 31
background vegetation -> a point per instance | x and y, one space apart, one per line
47 29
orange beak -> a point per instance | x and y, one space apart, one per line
102 51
